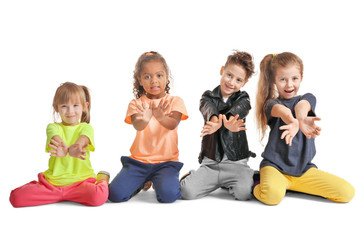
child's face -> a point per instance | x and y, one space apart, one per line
153 78
232 79
70 112
288 80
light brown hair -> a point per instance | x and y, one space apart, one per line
68 91
242 59
266 88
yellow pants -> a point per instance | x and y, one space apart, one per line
273 185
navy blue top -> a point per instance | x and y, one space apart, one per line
292 160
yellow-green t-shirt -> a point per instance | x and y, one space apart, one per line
65 171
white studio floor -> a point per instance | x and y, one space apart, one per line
217 216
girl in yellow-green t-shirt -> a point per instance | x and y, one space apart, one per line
70 176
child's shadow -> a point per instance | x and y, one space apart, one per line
305 196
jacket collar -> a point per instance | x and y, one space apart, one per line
216 93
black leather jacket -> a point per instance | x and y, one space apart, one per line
233 144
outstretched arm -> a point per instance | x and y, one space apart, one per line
141 119
60 149
167 120
306 123
292 126
234 124
77 149
212 126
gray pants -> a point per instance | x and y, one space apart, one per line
236 176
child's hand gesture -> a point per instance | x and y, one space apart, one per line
290 132
77 151
145 111
211 127
234 124
160 111
60 149
308 126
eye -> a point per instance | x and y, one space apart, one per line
147 77
239 80
160 75
295 78
230 75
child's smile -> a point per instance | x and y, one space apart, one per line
232 79
288 80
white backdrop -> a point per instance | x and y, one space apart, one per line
96 43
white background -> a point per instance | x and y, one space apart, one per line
97 43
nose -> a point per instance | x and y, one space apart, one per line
289 83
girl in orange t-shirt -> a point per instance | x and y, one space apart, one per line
155 115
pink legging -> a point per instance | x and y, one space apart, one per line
36 193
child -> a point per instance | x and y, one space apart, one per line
70 176
224 151
155 115
287 157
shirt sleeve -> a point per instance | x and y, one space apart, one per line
207 107
88 131
52 130
179 106
312 101
268 108
132 109
241 106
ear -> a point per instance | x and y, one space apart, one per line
139 81
221 70
86 107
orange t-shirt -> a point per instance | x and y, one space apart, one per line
155 143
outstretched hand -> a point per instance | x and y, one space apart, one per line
290 131
234 124
211 127
160 111
308 126
145 111
77 151
60 149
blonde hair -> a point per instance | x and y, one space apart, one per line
68 91
138 90
266 89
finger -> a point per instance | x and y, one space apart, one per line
52 151
220 119
161 102
52 146
241 122
284 134
54 142
284 127
317 119
224 118
236 117
139 108
166 104
242 128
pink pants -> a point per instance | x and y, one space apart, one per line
36 193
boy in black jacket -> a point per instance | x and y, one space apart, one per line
224 150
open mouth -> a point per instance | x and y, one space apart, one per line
289 91
154 88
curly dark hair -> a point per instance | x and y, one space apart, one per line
243 59
138 90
